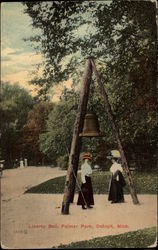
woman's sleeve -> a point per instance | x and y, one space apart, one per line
83 175
89 171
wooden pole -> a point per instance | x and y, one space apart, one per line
116 131
76 141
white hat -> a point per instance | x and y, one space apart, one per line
115 153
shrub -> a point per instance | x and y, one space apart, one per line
62 162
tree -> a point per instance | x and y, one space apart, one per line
122 37
34 127
119 34
56 141
15 105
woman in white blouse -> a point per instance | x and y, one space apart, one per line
117 182
85 198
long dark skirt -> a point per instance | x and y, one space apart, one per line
87 192
116 191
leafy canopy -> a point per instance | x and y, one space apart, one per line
14 108
117 32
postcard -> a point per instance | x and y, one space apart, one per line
78 124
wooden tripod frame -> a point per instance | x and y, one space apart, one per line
76 141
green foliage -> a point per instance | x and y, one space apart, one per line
137 239
119 33
35 126
15 105
56 141
56 22
62 162
145 183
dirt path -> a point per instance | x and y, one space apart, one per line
34 220
16 181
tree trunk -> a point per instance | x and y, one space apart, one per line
116 131
76 141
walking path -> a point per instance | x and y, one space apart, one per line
16 181
34 221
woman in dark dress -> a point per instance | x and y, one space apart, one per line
117 182
85 198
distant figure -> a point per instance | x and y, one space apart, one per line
25 162
117 182
16 163
1 167
21 163
85 197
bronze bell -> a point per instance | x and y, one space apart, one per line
91 126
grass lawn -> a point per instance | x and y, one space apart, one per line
136 239
145 183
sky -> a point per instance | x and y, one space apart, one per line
18 58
